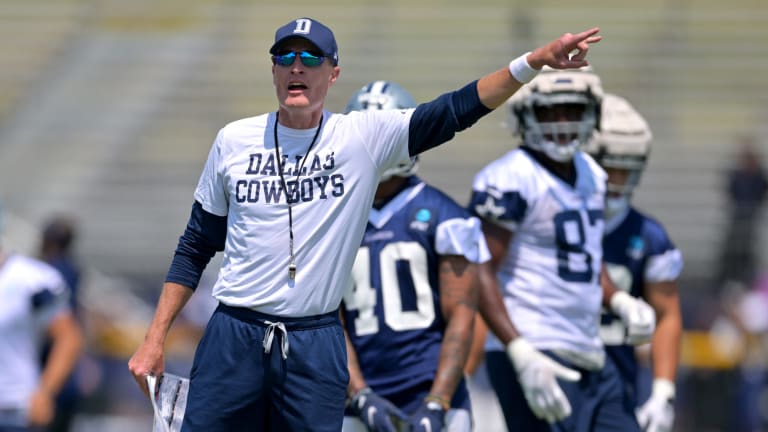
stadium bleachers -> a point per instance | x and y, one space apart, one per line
108 108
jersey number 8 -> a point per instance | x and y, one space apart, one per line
574 262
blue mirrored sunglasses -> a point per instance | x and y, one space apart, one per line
307 59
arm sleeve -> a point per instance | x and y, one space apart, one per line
211 190
665 261
463 237
500 191
436 122
51 298
204 236
666 266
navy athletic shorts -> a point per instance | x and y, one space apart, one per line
235 385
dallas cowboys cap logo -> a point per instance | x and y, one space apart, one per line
312 30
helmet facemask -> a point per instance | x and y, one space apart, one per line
633 165
559 139
619 194
557 112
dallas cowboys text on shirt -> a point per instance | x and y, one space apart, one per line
311 183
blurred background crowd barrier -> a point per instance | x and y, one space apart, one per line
108 109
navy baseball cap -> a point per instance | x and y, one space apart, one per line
311 30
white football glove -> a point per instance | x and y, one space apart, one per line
658 413
637 315
538 376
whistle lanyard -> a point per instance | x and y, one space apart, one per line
292 261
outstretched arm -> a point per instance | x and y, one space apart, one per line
495 88
437 121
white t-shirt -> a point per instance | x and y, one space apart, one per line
32 295
337 184
550 276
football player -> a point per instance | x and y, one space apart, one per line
542 206
33 304
408 315
641 260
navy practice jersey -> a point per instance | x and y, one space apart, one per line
392 311
637 250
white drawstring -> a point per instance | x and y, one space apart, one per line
270 334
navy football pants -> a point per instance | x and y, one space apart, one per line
597 400
236 386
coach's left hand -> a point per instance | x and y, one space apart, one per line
148 360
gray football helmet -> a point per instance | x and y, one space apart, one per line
550 88
380 95
622 142
385 95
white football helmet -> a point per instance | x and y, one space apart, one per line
555 87
622 142
384 95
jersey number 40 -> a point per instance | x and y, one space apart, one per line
362 295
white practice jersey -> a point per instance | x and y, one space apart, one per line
330 206
550 278
32 295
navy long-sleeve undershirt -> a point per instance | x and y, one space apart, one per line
436 122
204 236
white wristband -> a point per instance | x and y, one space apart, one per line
521 70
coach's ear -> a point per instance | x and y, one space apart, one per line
334 75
